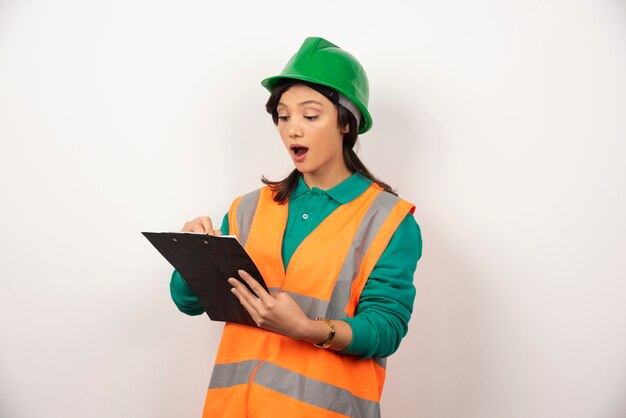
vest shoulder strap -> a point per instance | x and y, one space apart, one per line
241 214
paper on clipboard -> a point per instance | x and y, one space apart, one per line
206 262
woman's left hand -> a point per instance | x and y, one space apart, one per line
276 312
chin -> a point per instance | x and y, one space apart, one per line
304 169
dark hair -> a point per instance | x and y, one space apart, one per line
285 187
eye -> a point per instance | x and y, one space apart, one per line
311 118
283 118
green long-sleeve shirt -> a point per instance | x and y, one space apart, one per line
386 302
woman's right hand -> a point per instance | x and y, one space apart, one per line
202 225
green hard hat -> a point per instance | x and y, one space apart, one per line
321 62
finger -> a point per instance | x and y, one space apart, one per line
243 292
217 232
247 306
207 225
188 227
199 225
250 302
265 297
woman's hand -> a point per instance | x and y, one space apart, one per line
276 312
202 225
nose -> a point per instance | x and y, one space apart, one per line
294 131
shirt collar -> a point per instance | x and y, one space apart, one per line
301 188
344 192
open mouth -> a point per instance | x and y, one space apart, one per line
298 150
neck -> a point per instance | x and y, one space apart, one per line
326 181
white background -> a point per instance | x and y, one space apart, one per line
503 121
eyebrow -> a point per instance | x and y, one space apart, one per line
306 102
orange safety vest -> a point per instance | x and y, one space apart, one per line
262 374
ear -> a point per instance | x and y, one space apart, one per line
345 129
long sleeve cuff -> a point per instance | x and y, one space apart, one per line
363 340
184 299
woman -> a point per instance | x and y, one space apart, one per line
336 248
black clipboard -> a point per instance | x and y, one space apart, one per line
206 262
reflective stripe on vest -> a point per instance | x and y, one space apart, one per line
231 374
245 214
269 375
288 383
318 393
